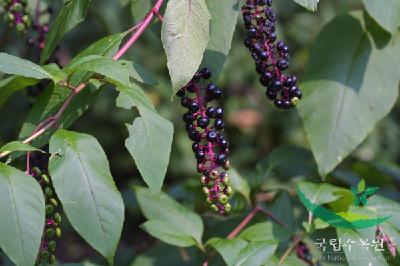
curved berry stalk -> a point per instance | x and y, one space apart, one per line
16 14
51 230
204 124
271 57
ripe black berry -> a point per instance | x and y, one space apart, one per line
211 149
271 57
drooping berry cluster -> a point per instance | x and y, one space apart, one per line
40 40
271 57
204 124
16 14
51 231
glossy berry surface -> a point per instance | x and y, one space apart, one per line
204 124
271 56
16 14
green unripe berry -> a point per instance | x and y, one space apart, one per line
44 254
52 259
17 7
227 165
209 200
213 207
225 180
57 218
228 207
49 210
58 232
52 245
206 191
48 191
223 199
26 20
229 191
49 233
36 171
203 180
20 27
10 17
45 179
294 101
24 2
53 202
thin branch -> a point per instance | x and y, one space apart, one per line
52 121
295 242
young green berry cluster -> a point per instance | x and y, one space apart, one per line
16 14
271 57
204 124
52 231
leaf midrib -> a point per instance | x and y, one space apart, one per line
345 90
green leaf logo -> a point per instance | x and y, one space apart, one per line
346 220
362 193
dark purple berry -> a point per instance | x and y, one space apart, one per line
194 106
186 102
219 112
212 136
203 122
219 124
221 158
206 73
211 112
271 95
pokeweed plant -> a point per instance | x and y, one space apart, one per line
74 179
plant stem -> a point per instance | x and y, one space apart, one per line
52 121
295 242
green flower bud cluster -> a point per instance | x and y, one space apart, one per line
52 231
217 190
16 14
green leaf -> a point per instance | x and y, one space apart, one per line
386 13
12 84
185 35
365 255
10 64
72 13
320 193
117 71
48 103
309 4
223 21
22 212
17 146
139 73
228 248
85 187
169 233
256 253
150 136
239 184
159 206
106 47
258 232
356 83
361 186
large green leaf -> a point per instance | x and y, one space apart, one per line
309 4
222 26
364 255
258 232
228 248
22 215
385 12
150 136
12 84
72 13
11 64
320 193
256 253
351 89
85 187
169 233
161 207
185 35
